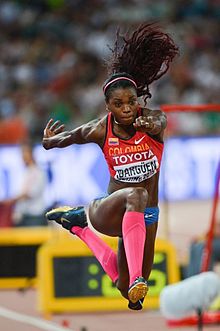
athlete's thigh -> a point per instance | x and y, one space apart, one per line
106 214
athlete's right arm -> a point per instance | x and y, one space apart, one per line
55 134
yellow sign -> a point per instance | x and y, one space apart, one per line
18 250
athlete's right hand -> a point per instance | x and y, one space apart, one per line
53 134
52 128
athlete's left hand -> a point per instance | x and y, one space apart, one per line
144 123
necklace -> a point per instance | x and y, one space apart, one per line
116 121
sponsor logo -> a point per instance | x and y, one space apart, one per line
148 215
64 220
139 140
123 159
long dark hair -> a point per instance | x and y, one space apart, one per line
144 56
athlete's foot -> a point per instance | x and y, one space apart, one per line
137 290
136 305
68 216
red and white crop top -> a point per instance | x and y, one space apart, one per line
131 160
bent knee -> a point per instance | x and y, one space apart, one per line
137 199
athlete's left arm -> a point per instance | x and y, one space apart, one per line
152 122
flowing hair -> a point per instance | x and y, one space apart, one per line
143 56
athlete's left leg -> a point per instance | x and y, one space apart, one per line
123 280
149 249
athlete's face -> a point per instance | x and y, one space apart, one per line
123 104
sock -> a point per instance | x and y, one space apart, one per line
134 235
104 254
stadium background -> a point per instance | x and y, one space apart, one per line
51 65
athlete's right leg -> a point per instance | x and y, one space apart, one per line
74 220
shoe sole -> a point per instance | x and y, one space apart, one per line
137 292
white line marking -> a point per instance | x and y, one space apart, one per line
38 322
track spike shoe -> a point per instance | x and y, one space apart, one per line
137 290
68 216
